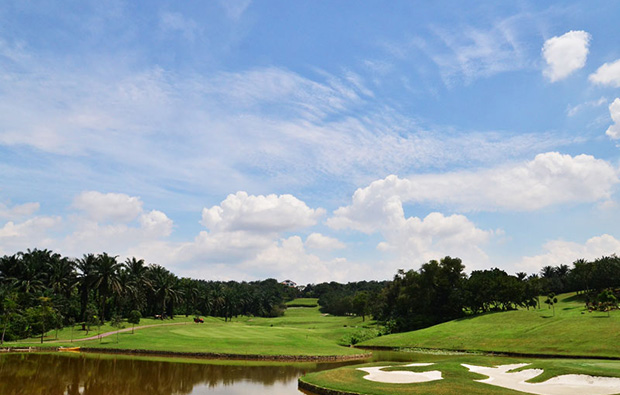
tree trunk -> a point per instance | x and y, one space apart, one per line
6 322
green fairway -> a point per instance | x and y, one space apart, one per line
455 377
573 331
300 332
303 302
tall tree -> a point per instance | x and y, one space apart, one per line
165 287
86 266
138 282
106 280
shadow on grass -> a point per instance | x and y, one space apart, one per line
576 298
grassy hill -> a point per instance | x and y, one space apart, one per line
572 331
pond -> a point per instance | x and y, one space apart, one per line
101 374
105 374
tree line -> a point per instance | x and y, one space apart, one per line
441 291
42 290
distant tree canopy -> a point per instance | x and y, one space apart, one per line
42 290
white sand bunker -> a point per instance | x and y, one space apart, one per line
569 384
401 377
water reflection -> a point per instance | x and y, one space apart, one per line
85 374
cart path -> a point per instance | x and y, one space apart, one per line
118 331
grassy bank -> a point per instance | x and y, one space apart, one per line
572 331
456 378
300 332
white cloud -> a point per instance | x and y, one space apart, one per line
565 54
290 128
18 211
412 240
288 259
614 110
607 74
318 241
102 207
559 252
260 213
31 233
466 53
156 223
548 180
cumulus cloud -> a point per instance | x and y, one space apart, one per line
260 213
565 54
318 241
156 223
607 74
411 239
614 110
560 252
31 233
114 223
116 207
550 179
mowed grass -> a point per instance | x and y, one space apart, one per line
303 302
573 331
456 378
300 332
67 333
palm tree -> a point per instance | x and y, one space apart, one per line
165 287
86 266
62 277
106 280
29 277
191 292
137 282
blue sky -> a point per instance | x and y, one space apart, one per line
311 140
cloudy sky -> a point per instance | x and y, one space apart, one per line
315 141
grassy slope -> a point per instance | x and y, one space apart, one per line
572 331
301 331
456 378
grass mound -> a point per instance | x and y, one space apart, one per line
570 331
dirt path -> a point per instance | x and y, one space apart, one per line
118 331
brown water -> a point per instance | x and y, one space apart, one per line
93 374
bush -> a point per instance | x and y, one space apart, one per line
358 336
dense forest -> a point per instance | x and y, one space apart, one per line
41 290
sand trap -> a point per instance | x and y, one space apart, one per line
401 377
570 384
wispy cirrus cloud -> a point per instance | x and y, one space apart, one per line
275 122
